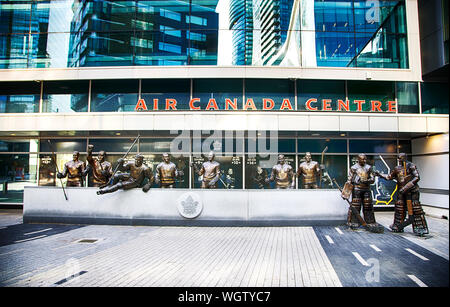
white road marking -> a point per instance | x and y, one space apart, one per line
375 248
360 259
417 254
338 230
19 241
13 251
417 281
31 233
329 239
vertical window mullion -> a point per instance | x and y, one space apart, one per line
89 95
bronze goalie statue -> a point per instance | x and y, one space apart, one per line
407 176
358 186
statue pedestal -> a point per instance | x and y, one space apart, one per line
185 207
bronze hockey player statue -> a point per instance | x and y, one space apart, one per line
309 171
132 176
166 173
74 171
99 168
358 185
210 170
282 174
407 177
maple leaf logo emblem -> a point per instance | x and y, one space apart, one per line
189 205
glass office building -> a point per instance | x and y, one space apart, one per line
221 75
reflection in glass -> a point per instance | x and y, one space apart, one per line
434 97
202 47
207 89
319 145
162 144
19 97
63 145
16 172
342 33
65 96
114 95
281 94
367 91
14 145
320 89
373 146
113 145
407 97
155 92
13 50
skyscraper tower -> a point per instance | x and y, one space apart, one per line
241 25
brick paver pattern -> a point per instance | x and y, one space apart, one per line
200 257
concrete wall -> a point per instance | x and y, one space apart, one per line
430 154
161 207
216 120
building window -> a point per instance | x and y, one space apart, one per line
65 96
19 97
114 95
434 98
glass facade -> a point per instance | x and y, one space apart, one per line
19 97
70 33
434 97
267 95
246 159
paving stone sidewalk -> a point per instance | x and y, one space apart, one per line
51 255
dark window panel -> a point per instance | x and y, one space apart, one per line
373 146
219 90
434 98
320 89
113 145
65 96
63 145
280 90
162 89
318 145
114 95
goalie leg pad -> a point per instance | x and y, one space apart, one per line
369 215
419 223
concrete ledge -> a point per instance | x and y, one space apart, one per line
162 207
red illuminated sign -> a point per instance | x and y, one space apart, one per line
268 104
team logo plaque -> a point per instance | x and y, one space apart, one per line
189 205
